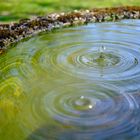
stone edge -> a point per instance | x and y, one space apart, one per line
25 28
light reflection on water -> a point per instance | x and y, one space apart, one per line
78 83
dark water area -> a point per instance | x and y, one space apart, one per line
78 83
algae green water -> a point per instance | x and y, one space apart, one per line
78 83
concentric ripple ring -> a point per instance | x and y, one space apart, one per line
75 83
96 107
84 58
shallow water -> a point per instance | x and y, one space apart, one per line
79 83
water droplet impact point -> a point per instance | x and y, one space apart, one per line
83 103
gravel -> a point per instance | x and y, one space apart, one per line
14 32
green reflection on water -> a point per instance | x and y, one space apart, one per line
45 66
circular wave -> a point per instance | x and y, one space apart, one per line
86 59
80 80
94 107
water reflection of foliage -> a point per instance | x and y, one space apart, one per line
10 95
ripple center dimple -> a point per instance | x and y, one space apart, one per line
83 103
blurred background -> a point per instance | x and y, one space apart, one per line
12 10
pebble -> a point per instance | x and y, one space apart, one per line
14 32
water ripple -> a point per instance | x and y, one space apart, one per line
116 62
77 83
101 106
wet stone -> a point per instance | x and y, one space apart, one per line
28 27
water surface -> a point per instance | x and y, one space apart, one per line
79 83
